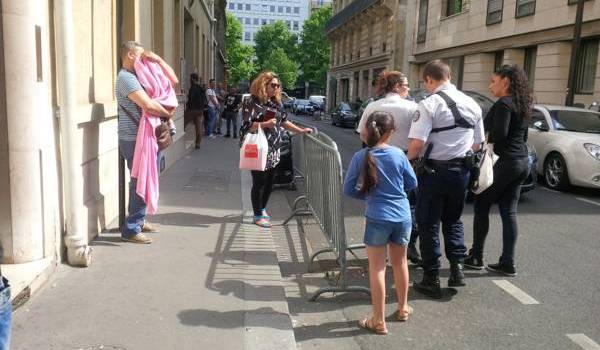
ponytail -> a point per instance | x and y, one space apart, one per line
378 124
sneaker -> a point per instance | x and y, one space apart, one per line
212 136
473 263
140 238
505 269
147 228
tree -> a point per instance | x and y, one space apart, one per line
271 37
240 57
282 65
315 47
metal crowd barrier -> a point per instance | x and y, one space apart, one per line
317 159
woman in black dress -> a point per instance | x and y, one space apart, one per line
264 108
506 125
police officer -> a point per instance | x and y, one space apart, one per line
445 128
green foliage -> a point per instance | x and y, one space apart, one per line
271 37
240 57
315 47
282 65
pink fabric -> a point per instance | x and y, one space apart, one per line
145 168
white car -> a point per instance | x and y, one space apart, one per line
567 141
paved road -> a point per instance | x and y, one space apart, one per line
554 303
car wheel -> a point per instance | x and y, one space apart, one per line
556 174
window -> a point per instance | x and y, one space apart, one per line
247 36
529 64
573 2
271 21
241 20
587 61
272 8
248 20
494 12
537 116
453 7
422 30
296 10
288 10
296 26
525 8
248 7
240 7
384 47
456 70
265 8
255 21
263 22
289 24
498 60
232 6
280 9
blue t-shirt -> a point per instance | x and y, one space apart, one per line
387 201
127 83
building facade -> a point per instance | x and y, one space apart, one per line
315 4
253 14
475 37
58 126
366 36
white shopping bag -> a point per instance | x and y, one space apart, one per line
486 169
253 154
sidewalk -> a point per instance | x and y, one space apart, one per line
210 280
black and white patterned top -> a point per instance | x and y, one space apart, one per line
253 111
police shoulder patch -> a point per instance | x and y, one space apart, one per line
416 116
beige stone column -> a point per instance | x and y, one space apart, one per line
552 72
23 236
370 91
360 87
477 71
351 87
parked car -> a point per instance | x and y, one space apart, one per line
567 140
287 101
361 110
595 106
317 101
344 115
302 107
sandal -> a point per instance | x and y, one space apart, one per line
265 215
404 315
369 324
262 222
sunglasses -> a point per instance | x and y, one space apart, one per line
275 86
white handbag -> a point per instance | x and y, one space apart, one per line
486 169
253 154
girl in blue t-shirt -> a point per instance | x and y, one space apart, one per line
381 175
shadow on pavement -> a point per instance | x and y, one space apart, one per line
190 220
229 319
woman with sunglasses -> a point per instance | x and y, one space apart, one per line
264 109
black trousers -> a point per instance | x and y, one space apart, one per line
509 175
262 186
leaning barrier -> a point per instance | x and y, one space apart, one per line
318 161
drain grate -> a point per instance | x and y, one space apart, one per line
208 180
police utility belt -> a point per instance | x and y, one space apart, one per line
425 165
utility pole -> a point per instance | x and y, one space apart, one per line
575 54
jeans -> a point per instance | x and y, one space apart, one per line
441 199
5 314
232 118
509 175
212 118
262 185
137 206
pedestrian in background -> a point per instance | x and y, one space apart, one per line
393 85
131 99
264 109
213 108
382 175
506 125
221 92
446 127
232 107
196 104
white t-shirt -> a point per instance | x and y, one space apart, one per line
433 112
211 96
401 109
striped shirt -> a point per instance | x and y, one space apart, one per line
126 84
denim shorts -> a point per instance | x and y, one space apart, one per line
379 232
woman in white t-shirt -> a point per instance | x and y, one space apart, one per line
393 85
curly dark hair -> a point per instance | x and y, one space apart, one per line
518 88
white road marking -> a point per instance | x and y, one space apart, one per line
513 290
583 341
587 201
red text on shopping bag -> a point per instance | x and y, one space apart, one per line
251 151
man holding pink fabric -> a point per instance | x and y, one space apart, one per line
132 100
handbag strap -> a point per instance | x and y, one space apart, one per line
135 121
